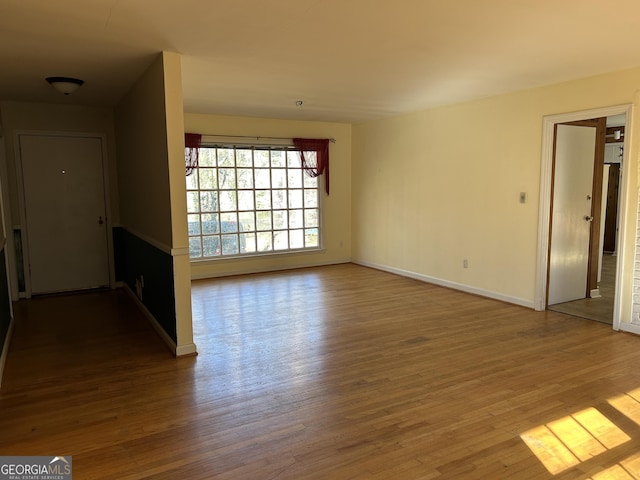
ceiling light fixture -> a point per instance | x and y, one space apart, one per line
65 85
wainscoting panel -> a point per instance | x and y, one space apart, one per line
148 272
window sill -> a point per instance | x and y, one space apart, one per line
255 256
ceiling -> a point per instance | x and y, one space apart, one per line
346 60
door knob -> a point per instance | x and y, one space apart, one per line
588 218
100 221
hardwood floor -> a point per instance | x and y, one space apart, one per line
339 372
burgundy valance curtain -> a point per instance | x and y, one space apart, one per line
321 165
313 167
191 149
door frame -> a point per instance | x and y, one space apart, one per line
22 201
544 216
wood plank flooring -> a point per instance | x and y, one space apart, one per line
338 372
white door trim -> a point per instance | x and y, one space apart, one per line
22 203
546 168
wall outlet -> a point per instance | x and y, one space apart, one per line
465 263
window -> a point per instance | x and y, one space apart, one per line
251 201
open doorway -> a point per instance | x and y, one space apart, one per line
596 301
604 291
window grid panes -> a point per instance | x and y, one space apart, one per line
251 201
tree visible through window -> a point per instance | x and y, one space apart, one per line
250 201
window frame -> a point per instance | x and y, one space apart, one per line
256 253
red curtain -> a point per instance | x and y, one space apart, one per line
191 148
321 147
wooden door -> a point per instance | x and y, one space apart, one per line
611 220
64 198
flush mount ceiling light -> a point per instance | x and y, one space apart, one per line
65 85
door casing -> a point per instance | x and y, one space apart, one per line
546 179
21 200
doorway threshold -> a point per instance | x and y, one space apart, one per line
598 309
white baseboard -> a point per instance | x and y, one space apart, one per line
629 327
5 350
448 284
248 271
186 350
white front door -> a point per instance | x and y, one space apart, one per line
66 227
570 225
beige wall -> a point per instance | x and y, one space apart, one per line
150 133
174 110
21 116
172 67
436 187
16 117
143 172
336 207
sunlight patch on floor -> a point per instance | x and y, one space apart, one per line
628 404
628 469
573 439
